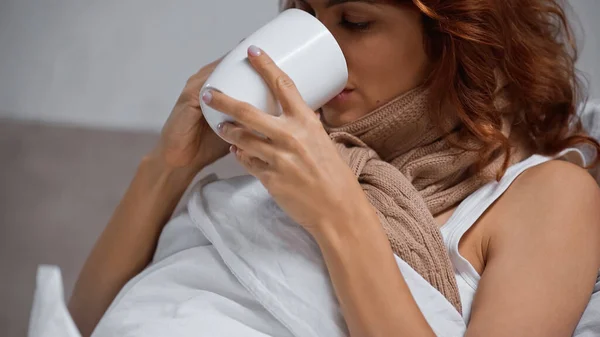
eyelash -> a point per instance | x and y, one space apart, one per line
356 26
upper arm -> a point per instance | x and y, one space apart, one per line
543 255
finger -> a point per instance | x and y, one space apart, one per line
198 79
244 113
282 86
253 165
247 140
195 82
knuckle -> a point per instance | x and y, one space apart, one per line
279 133
283 161
191 90
242 157
247 160
256 162
187 96
284 82
276 161
233 134
192 79
243 136
291 141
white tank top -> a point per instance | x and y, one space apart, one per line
472 208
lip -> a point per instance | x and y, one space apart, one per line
342 96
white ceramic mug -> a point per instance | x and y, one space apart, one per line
301 46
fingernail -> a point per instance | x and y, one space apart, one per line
221 127
254 51
233 149
207 96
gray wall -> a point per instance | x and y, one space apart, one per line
121 63
112 63
587 13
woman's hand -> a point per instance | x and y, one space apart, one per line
297 162
187 141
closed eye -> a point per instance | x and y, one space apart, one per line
353 25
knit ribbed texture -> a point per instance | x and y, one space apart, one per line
409 172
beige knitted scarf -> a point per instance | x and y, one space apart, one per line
409 172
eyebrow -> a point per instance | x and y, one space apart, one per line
331 3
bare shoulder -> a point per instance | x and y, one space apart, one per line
555 200
556 187
555 176
542 237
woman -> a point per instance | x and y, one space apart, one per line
460 90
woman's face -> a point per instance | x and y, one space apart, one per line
383 45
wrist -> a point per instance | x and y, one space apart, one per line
162 171
347 224
171 161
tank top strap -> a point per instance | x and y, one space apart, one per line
473 207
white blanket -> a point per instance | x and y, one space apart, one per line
231 263
281 265
254 272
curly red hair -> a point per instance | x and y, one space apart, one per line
531 43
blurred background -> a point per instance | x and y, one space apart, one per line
85 87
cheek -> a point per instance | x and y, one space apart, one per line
386 67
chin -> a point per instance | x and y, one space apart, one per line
336 118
